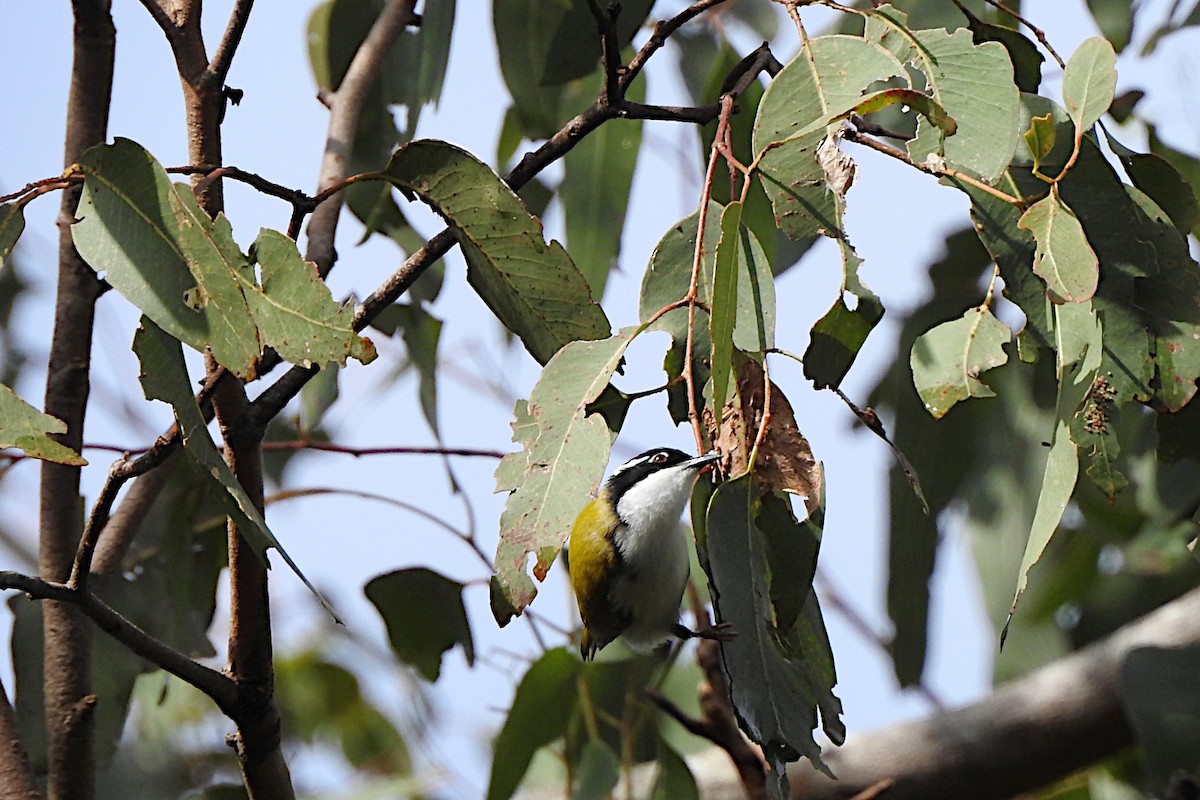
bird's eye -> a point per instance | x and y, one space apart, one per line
658 458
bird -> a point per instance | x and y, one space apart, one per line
628 557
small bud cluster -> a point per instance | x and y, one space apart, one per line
1097 414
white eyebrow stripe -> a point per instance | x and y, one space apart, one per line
628 465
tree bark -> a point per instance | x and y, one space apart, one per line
67 655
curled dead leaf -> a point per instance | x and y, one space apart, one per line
785 461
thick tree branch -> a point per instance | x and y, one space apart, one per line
345 109
67 680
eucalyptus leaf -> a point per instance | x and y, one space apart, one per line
543 704
533 287
12 222
563 464
421 639
24 427
947 361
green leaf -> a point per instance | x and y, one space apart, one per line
771 693
1080 344
1026 58
12 222
791 549
674 779
554 42
826 79
597 178
563 465
1040 138
184 271
322 700
542 706
533 288
724 301
164 377
972 82
666 281
948 360
596 772
1089 80
421 332
1064 259
1115 20
840 334
1159 689
294 310
1158 177
425 617
24 427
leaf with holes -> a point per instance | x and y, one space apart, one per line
564 463
948 360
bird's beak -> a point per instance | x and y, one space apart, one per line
700 462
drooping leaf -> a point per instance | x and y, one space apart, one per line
770 693
1064 259
972 82
24 427
1080 349
164 377
674 780
1089 80
542 706
948 360
791 554
723 313
827 78
666 281
12 222
597 178
533 288
840 334
596 772
421 639
1162 181
421 332
563 465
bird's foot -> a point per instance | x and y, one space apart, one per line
721 632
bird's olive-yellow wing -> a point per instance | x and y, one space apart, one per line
593 564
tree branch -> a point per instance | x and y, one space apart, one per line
217 686
218 68
17 779
345 108
67 678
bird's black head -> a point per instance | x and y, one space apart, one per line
638 467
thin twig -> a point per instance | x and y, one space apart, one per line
662 32
606 23
315 491
852 135
1038 32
